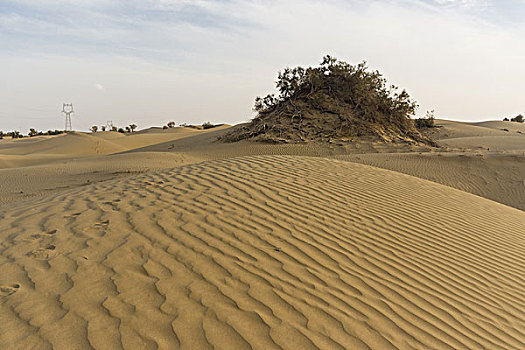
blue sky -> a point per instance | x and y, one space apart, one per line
151 61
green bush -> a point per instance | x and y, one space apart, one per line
427 122
333 100
366 90
422 123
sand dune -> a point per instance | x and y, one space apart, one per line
46 149
448 129
501 125
263 252
514 144
67 144
499 177
36 181
496 136
33 175
168 239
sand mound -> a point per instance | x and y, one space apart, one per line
502 125
448 129
490 136
45 149
263 252
510 144
36 181
498 177
334 101
73 143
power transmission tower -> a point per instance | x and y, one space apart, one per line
67 109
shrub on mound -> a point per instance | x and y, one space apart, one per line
334 101
427 122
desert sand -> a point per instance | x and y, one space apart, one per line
167 239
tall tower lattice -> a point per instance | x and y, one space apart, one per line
67 109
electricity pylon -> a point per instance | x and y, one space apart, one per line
67 109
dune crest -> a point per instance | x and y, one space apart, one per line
263 252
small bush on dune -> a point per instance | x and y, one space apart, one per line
14 134
518 119
427 122
422 123
208 125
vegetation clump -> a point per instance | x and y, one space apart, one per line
32 132
127 129
427 122
518 119
334 101
208 125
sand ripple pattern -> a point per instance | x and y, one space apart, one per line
264 252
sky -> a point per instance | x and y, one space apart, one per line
152 61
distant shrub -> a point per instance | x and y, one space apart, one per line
15 134
427 122
505 119
422 123
208 125
121 130
519 119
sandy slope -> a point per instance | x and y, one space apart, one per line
46 149
499 177
167 239
449 129
263 252
501 125
39 173
496 136
36 181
